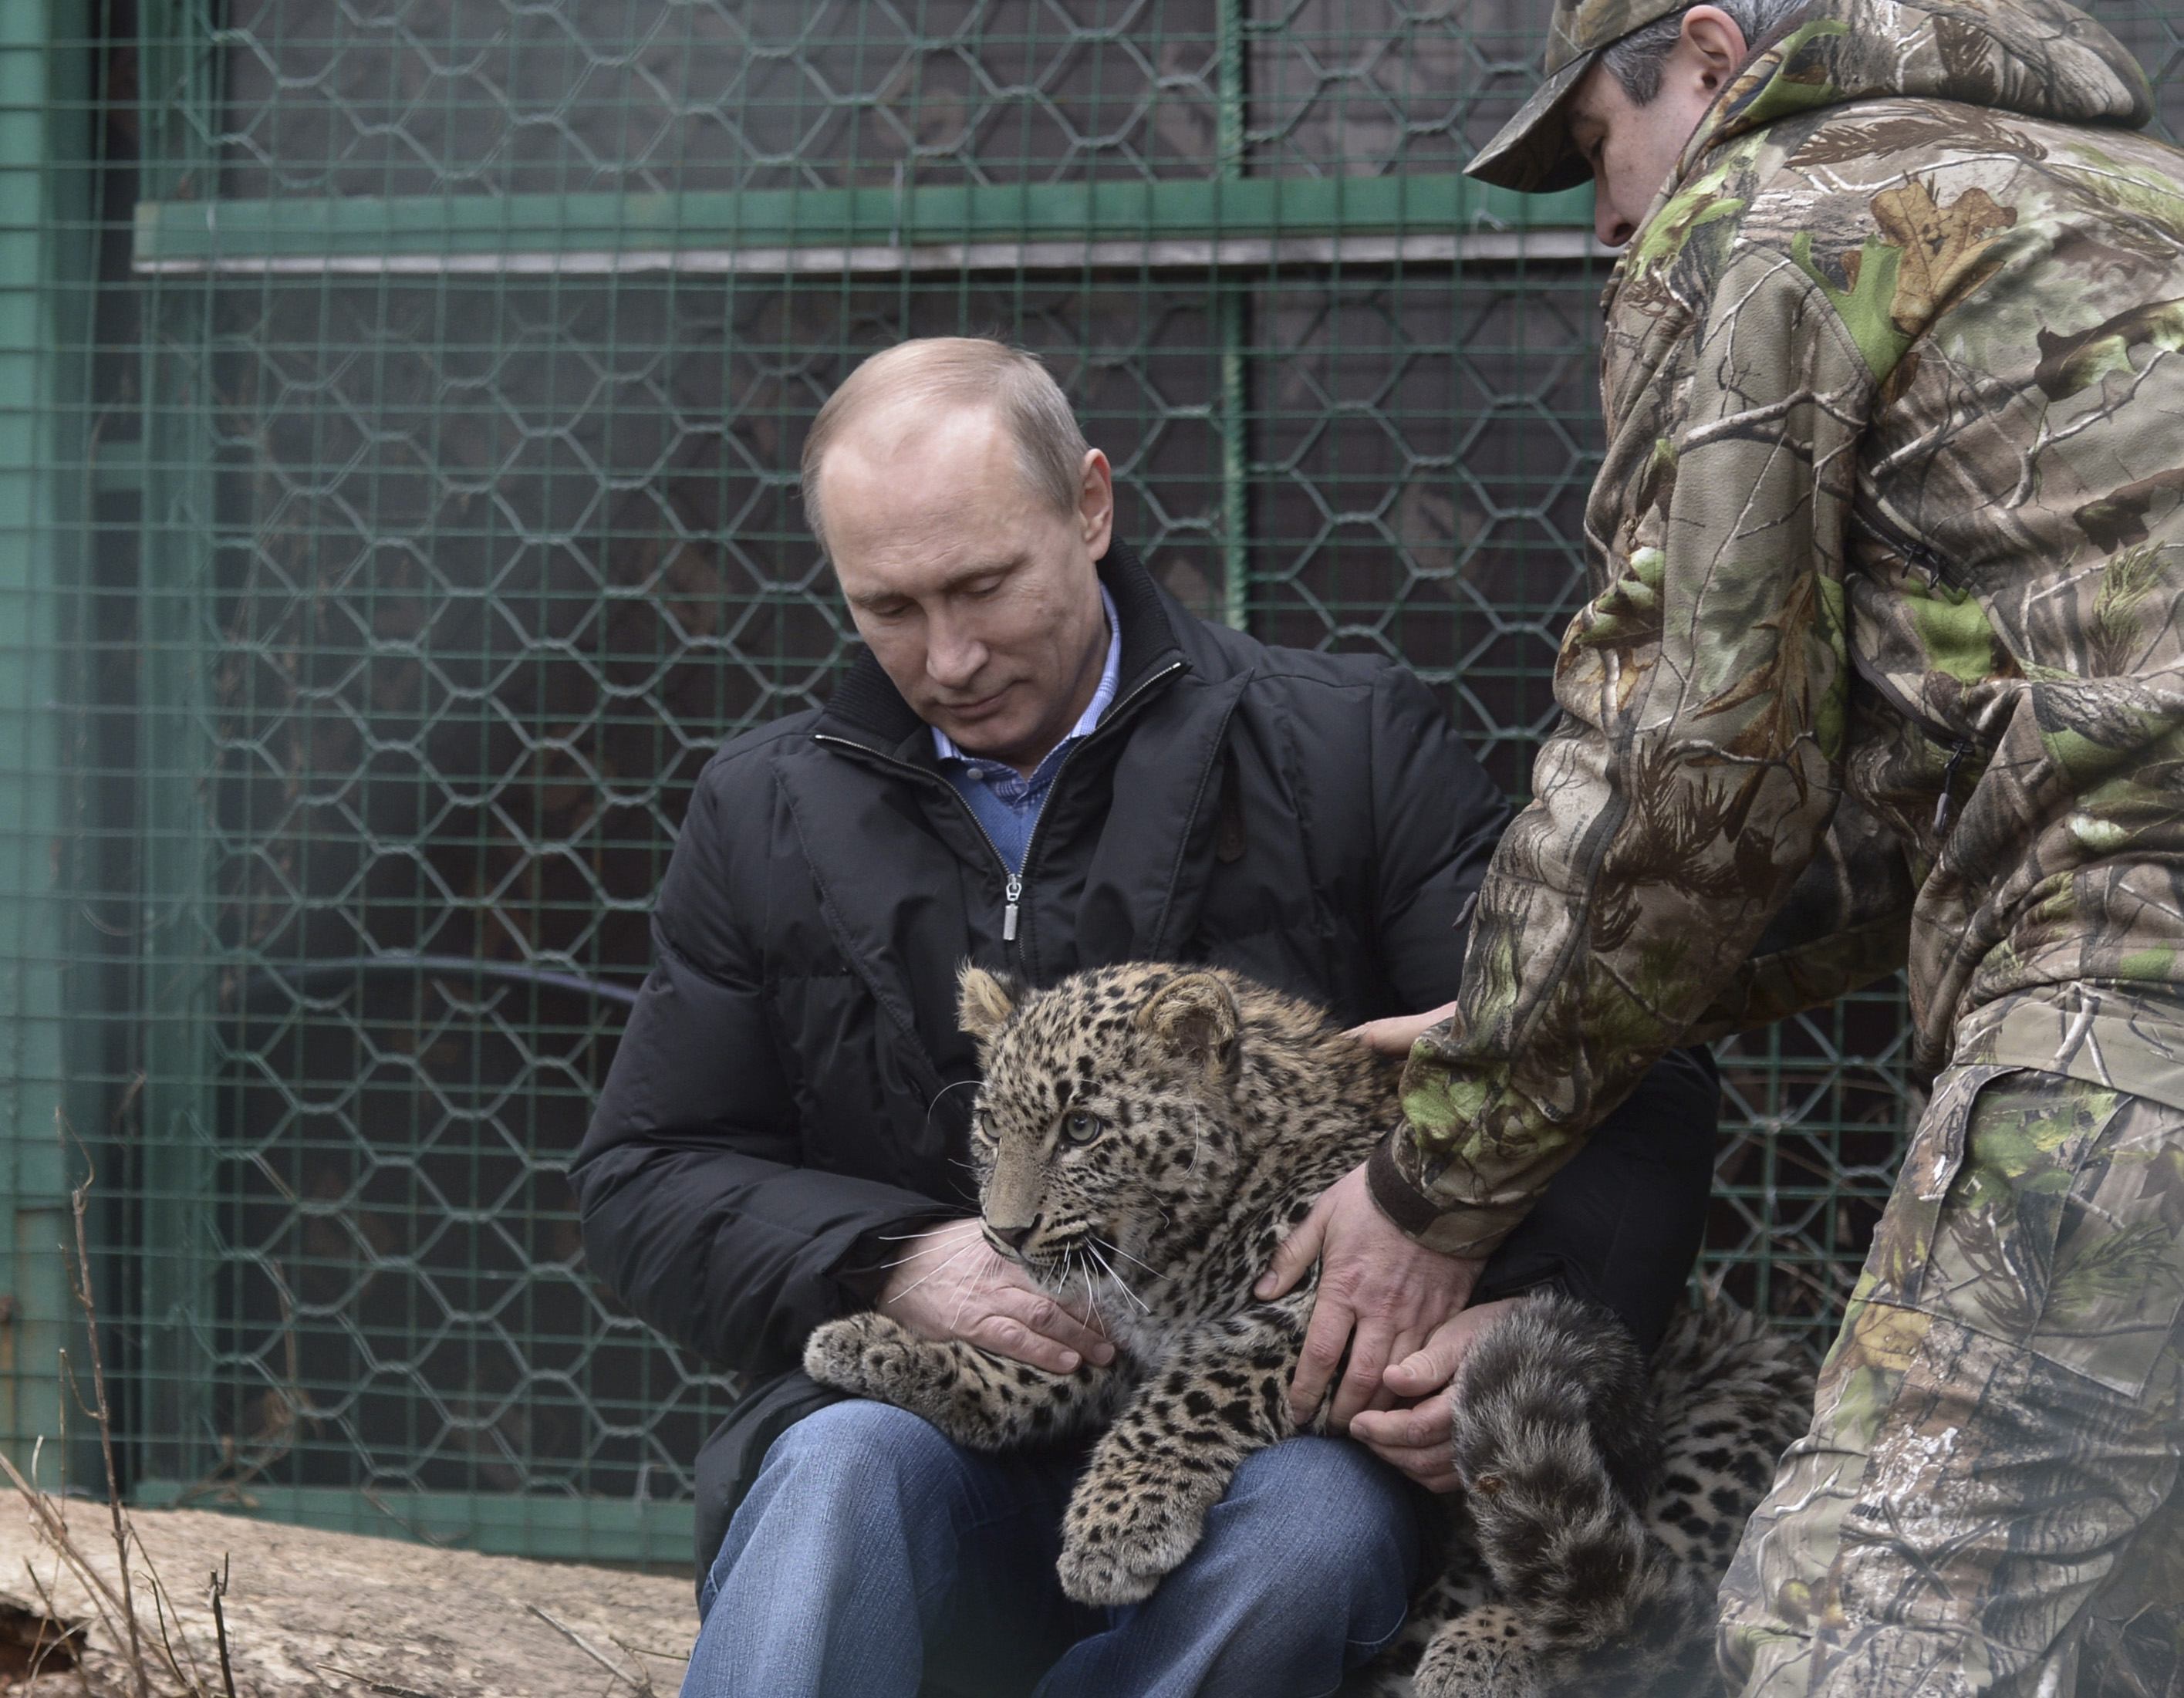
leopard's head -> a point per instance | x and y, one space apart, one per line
1107 1118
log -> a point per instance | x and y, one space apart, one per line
310 1614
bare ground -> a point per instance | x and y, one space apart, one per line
327 1615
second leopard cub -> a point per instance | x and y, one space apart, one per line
1145 1136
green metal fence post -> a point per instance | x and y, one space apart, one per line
1233 310
177 957
44 266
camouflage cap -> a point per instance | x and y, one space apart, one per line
1533 151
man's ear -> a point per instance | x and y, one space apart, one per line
1195 1018
984 1001
1714 43
1095 503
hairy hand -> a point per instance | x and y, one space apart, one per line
1417 1438
952 1284
1393 1292
1395 1035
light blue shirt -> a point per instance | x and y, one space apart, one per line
1005 801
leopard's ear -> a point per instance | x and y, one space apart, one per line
984 1001
1195 1016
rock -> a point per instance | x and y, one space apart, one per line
331 1615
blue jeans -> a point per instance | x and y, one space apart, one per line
874 1558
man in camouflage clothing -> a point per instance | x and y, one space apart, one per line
1884 661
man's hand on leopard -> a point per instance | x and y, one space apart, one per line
1416 1435
1394 1295
951 1283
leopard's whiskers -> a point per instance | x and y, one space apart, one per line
941 1096
1148 1266
1109 1268
1091 1297
915 1255
971 1245
955 1315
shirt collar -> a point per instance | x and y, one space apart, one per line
1111 677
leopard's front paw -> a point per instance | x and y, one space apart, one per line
1118 1542
867 1354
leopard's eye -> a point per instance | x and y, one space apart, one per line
1080 1126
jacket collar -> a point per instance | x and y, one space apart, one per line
867 708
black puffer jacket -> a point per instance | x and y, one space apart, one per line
782 1099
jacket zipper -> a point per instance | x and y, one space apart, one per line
1935 731
1937 571
1914 549
1945 804
1014 885
1012 891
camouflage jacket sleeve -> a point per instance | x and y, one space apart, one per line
1847 923
1698 763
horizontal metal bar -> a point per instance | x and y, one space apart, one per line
330 977
1167 225
1481 247
506 1524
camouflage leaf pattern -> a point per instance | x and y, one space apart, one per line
1979 1505
1887 556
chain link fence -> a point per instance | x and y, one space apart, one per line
450 362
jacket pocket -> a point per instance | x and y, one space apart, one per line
1897 1267
2061 1232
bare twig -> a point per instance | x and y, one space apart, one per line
162 1607
55 1532
163 1610
218 1588
128 1102
371 1685
102 1409
81 1277
641 1682
646 1651
69 1636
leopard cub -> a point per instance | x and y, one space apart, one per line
1145 1136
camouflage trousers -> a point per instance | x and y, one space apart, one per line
1986 1501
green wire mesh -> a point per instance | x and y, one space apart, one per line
442 391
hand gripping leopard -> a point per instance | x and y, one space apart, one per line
1145 1136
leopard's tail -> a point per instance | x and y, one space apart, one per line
1559 1449
1607 1497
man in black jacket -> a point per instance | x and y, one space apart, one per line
1042 764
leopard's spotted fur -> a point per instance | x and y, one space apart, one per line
1145 1136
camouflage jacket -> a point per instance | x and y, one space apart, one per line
1885 655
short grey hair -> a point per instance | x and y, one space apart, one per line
942 372
1636 60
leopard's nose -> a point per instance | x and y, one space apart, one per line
1013 1237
